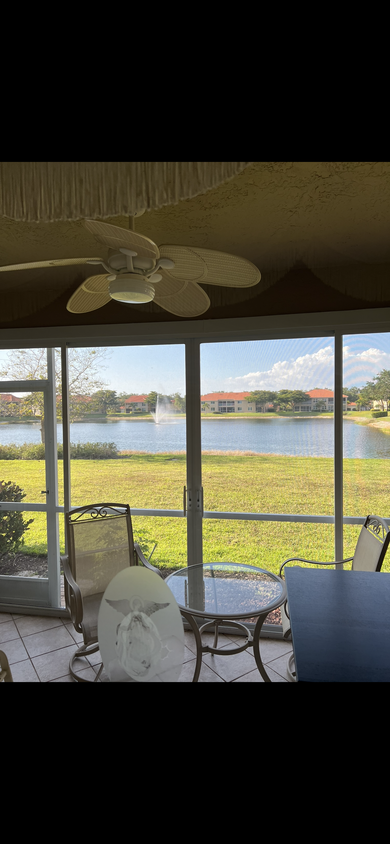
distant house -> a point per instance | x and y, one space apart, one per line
379 405
136 404
236 402
82 399
8 397
230 403
320 399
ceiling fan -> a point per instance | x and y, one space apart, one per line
138 271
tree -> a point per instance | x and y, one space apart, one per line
151 398
286 399
179 403
352 393
12 523
382 388
9 408
367 394
84 367
262 397
320 405
104 402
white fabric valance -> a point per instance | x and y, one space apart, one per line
52 191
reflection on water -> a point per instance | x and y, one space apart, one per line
289 436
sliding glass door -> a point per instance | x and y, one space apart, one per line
366 440
268 450
29 536
128 440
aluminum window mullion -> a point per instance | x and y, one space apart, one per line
338 446
24 386
65 429
194 453
52 483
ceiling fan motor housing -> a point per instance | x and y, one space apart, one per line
131 288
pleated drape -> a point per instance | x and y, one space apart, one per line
51 191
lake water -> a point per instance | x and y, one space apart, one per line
289 436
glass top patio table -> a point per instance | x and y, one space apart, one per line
224 590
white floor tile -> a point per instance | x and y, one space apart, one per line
23 672
49 640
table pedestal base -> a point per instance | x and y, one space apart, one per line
251 641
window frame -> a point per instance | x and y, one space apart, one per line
192 334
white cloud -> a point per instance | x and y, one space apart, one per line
314 370
360 367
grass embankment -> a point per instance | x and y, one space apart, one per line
361 416
237 483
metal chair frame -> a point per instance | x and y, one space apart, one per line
5 671
73 595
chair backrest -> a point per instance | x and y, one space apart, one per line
372 545
100 544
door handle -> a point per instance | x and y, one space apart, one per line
187 500
199 500
44 491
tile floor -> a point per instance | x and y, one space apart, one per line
39 649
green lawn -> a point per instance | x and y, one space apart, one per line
237 483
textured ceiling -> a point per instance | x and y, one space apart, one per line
328 222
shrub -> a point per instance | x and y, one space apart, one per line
31 451
80 451
27 451
376 413
12 524
93 451
10 452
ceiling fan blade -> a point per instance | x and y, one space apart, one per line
181 298
208 266
116 238
57 262
91 295
188 265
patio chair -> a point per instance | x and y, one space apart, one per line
100 544
369 554
5 671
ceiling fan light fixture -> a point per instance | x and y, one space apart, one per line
133 289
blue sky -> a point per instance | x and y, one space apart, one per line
275 364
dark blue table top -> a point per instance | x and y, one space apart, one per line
340 624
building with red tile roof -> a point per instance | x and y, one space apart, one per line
236 402
319 399
8 397
229 403
224 396
139 403
320 394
